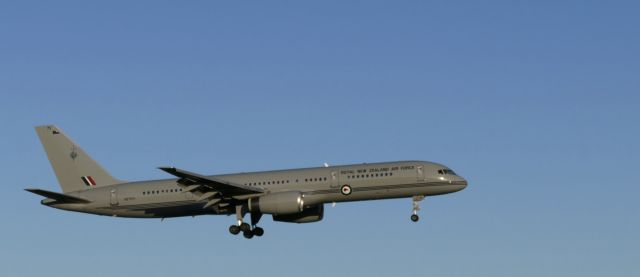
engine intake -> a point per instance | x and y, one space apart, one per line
290 202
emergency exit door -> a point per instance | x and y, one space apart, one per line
420 173
114 197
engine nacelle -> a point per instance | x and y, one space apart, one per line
279 203
311 214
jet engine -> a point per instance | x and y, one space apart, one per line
310 214
279 203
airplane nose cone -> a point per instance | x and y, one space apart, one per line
462 184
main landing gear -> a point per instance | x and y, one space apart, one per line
416 207
248 231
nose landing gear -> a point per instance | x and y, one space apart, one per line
416 207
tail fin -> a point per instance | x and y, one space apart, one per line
74 169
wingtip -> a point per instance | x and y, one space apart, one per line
33 190
45 126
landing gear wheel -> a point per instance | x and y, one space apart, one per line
415 218
234 229
258 231
245 227
416 207
247 234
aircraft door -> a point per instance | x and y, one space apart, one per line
114 197
420 173
334 179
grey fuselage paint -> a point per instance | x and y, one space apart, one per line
165 198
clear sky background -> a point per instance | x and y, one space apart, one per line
536 103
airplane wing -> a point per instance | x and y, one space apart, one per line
58 196
210 187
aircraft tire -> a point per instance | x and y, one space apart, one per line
258 231
234 229
415 218
244 227
247 234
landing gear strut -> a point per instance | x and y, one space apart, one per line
248 231
416 207
255 218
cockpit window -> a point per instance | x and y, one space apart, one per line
446 172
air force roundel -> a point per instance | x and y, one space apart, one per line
345 190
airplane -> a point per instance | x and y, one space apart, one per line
293 196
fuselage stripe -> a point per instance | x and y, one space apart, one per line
155 205
384 187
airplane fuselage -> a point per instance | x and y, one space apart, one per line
167 198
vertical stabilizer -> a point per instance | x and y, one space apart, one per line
74 169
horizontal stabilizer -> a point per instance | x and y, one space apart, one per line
58 196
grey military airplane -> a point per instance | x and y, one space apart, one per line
294 195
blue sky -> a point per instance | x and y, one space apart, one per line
536 104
